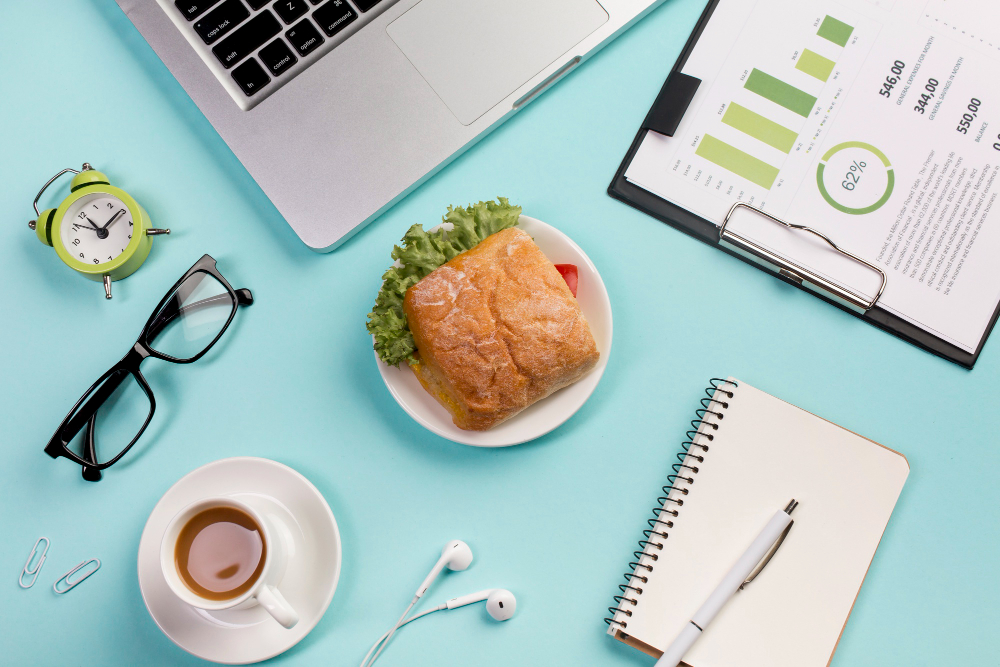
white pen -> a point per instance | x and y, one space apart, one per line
743 572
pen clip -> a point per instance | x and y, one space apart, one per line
768 556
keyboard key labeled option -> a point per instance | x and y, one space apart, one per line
221 20
251 77
191 9
289 10
334 16
304 37
365 5
246 39
277 57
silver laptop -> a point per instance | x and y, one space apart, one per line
338 108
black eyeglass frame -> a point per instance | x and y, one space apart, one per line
77 417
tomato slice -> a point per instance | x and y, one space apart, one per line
570 275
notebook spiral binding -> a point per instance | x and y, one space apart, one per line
640 568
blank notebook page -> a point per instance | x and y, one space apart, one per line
766 452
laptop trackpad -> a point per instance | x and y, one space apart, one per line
474 53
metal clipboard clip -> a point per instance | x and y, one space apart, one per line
795 272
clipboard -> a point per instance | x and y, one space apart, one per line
664 117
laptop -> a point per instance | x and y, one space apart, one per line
339 108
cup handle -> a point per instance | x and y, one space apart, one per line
274 602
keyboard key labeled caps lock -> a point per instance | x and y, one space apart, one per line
221 20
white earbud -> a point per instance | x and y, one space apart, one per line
456 555
500 603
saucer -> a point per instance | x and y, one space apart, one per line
306 526
548 413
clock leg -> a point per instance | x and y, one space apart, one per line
107 286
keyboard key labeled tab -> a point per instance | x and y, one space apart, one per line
289 10
365 5
277 57
221 20
334 16
304 37
191 9
246 39
251 77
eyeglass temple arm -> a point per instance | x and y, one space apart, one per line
89 410
171 312
90 452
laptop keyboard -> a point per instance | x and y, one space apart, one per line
262 44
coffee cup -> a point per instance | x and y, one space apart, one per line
221 553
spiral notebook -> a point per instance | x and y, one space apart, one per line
747 454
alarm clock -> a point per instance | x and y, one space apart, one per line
98 230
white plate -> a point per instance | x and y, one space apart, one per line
547 414
310 533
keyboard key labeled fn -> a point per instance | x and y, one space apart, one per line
334 16
304 37
251 77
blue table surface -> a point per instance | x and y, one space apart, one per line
555 521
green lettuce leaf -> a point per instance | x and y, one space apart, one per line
421 253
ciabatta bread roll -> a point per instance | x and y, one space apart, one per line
496 329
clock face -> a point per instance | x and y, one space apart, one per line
96 228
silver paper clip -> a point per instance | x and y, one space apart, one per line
33 573
70 585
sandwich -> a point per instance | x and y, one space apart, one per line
485 321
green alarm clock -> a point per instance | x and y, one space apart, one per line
98 230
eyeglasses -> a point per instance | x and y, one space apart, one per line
117 408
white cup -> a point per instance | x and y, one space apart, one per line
263 592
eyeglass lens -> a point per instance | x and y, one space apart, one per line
192 318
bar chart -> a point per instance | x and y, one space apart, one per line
769 85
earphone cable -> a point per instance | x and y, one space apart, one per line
381 639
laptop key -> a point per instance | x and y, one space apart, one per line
289 10
304 37
191 9
277 57
257 4
365 5
334 16
246 39
221 20
251 77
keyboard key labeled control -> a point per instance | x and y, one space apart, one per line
304 37
277 57
365 5
251 77
221 20
334 16
191 9
246 39
289 10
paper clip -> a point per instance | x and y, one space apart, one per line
70 585
31 557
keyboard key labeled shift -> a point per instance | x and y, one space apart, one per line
191 9
304 37
251 77
246 39
365 5
334 16
277 57
221 20
289 10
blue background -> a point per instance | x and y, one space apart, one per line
556 520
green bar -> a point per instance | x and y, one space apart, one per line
836 31
734 160
758 127
815 65
780 92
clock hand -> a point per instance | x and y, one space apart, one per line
113 218
91 229
92 223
